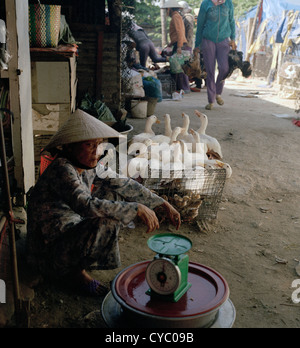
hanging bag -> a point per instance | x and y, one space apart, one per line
44 25
177 61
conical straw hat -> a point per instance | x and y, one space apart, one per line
81 127
171 4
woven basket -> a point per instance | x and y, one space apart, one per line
44 25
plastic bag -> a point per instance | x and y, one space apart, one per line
135 86
152 87
178 96
177 61
97 109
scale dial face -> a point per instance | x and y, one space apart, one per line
163 276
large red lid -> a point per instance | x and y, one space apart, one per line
208 292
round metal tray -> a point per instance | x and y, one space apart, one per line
199 307
115 317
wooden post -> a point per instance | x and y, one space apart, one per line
115 16
99 64
254 28
19 74
164 33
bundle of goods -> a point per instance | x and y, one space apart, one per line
182 165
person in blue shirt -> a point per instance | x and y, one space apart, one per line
215 36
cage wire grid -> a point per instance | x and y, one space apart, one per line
195 194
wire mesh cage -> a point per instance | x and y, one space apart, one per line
195 194
168 85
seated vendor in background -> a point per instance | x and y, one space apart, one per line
70 226
144 46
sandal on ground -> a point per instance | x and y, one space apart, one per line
219 100
94 288
209 106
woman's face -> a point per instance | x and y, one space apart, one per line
87 152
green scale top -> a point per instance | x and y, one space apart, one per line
169 244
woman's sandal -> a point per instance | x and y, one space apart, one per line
220 101
94 288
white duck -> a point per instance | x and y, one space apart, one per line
168 137
176 159
198 146
136 167
167 145
216 164
140 149
168 128
212 143
185 136
148 132
190 159
164 155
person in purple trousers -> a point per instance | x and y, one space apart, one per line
215 36
144 45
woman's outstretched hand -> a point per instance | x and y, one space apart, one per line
149 217
172 214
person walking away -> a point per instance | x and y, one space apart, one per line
177 40
144 45
214 36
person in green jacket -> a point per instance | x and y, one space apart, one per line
215 36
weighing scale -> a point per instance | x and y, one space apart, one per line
167 274
168 291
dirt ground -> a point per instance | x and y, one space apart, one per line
254 242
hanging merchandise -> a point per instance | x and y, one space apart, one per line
65 34
4 55
44 25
